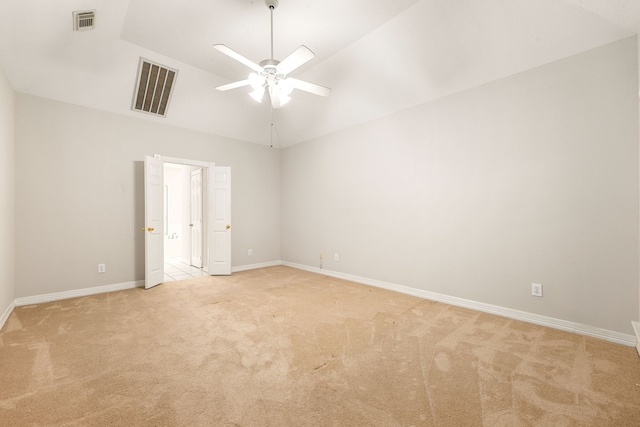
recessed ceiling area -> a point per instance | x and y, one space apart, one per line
378 56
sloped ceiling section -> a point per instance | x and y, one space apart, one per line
378 56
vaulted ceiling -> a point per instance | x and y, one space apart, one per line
378 56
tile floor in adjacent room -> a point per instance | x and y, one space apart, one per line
175 269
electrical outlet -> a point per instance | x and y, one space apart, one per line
336 258
250 252
536 290
102 268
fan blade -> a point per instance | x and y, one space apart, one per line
233 85
309 87
235 55
300 56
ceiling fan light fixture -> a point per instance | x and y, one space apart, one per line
285 87
257 93
278 99
284 99
271 74
255 81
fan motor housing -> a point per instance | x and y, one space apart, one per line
269 63
270 69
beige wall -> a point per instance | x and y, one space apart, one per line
529 179
533 178
7 200
80 189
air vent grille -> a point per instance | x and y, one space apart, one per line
153 88
84 20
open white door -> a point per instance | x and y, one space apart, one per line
153 220
220 180
196 218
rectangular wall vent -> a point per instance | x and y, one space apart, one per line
84 20
153 88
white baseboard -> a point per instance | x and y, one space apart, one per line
6 314
551 322
55 296
524 316
254 266
636 328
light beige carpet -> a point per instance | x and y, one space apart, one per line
283 347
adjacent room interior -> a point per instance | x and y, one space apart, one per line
483 155
185 249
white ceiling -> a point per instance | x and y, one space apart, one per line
378 56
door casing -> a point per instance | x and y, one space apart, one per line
208 170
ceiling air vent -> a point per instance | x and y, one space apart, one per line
84 20
153 88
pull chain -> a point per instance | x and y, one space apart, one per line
271 127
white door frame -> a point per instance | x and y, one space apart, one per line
207 170
195 217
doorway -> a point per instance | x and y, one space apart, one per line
216 216
184 221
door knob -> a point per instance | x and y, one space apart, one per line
228 226
150 229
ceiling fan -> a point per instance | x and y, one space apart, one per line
271 74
